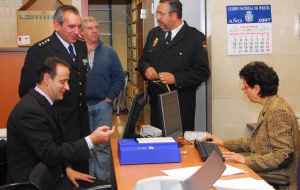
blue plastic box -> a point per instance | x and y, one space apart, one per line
132 152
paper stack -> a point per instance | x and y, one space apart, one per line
242 184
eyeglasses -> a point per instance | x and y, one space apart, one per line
161 14
245 87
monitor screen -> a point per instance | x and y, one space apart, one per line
138 102
170 114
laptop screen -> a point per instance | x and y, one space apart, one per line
170 114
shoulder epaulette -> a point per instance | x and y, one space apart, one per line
81 39
43 42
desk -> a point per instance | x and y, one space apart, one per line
128 175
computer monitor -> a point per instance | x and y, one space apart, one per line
138 103
170 114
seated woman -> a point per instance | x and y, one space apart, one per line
272 149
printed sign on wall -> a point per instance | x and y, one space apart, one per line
249 29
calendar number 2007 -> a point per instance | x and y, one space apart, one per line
264 19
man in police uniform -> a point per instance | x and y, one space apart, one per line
174 54
65 44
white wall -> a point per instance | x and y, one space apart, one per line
119 33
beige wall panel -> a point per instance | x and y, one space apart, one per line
231 121
119 30
8 32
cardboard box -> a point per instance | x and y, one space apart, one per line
35 21
132 152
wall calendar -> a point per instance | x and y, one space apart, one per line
249 29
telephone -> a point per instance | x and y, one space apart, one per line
148 130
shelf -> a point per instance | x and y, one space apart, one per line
102 11
135 60
105 34
104 21
134 43
93 9
14 49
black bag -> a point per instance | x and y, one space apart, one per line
154 88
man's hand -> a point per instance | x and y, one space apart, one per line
108 101
101 134
151 73
234 157
74 175
166 78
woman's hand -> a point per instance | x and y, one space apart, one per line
234 157
213 139
74 175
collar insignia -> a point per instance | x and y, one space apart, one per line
84 62
155 42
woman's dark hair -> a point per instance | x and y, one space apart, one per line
175 7
49 66
259 73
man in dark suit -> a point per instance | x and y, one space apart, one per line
174 54
35 132
65 44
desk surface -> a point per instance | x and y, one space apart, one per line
128 175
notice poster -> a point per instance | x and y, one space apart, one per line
249 29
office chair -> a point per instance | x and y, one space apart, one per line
278 182
100 187
38 179
2 162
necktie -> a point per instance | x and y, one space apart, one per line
168 38
72 54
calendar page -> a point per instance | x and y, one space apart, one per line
249 29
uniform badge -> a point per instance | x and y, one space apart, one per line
155 42
85 61
204 45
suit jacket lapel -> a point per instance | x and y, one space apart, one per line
79 56
60 49
262 114
48 109
161 43
179 36
41 100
